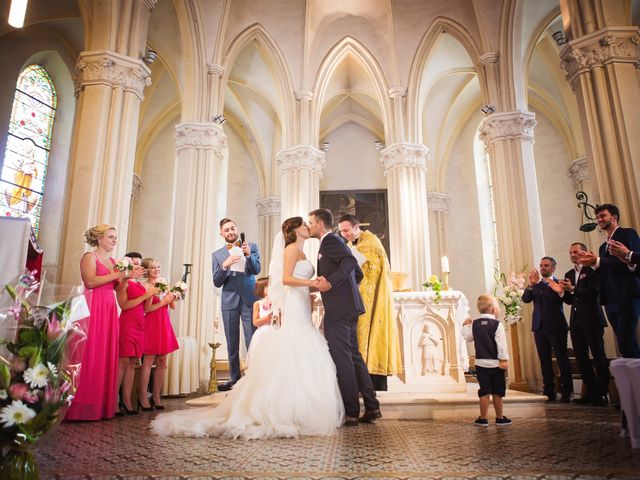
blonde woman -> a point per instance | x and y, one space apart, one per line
97 394
159 338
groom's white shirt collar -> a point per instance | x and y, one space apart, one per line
322 238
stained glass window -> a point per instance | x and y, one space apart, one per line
25 160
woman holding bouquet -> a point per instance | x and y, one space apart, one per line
131 296
97 393
159 338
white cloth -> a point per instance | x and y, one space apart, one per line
291 388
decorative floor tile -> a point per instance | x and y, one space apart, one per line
566 443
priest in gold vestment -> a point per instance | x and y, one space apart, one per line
377 328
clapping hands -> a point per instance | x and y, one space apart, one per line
534 277
587 258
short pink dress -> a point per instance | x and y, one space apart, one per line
97 395
132 323
159 338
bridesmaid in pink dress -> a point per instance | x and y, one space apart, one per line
159 338
96 397
131 296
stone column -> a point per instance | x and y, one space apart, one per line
215 73
201 150
269 218
508 138
405 166
109 87
300 172
109 81
601 60
398 95
438 204
578 171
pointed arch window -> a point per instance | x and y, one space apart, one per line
25 162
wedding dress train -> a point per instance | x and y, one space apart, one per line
290 388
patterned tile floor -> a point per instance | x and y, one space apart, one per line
567 443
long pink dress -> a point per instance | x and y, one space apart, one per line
159 337
132 323
97 395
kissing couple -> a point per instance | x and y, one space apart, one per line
299 382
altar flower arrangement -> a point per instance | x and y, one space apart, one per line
123 264
179 288
434 284
508 291
161 284
38 377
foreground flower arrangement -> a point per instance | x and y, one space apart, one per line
434 284
38 375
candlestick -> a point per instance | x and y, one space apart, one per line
213 374
444 264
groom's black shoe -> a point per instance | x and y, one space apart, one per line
226 386
370 415
350 421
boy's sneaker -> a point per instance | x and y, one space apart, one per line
503 421
481 422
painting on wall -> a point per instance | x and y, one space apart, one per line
370 206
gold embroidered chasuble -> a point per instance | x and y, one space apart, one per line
378 338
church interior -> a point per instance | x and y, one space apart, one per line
460 131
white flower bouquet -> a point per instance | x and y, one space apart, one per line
38 371
161 284
508 291
123 264
179 288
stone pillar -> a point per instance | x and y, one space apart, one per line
398 95
300 172
405 166
438 204
215 73
601 60
304 98
269 218
508 138
201 150
109 81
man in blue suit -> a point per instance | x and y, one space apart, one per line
619 280
549 327
237 292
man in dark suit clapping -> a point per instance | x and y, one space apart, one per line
586 326
549 327
619 281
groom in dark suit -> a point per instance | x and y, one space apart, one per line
338 277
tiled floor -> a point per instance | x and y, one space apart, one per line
568 442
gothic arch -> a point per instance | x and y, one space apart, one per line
348 46
274 59
429 40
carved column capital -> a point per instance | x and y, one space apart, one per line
302 157
268 206
104 67
608 45
397 92
304 95
404 155
579 170
507 125
489 58
215 69
200 135
438 201
136 185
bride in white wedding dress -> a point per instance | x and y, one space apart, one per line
291 387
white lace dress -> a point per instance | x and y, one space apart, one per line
291 388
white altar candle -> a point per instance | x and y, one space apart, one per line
444 264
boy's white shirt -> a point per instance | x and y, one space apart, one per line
501 342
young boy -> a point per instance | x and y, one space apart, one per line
489 339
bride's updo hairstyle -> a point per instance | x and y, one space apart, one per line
289 229
94 234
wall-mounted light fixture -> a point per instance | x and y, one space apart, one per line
219 119
324 146
379 145
149 56
559 37
488 109
587 208
17 12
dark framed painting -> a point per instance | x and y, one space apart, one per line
370 206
